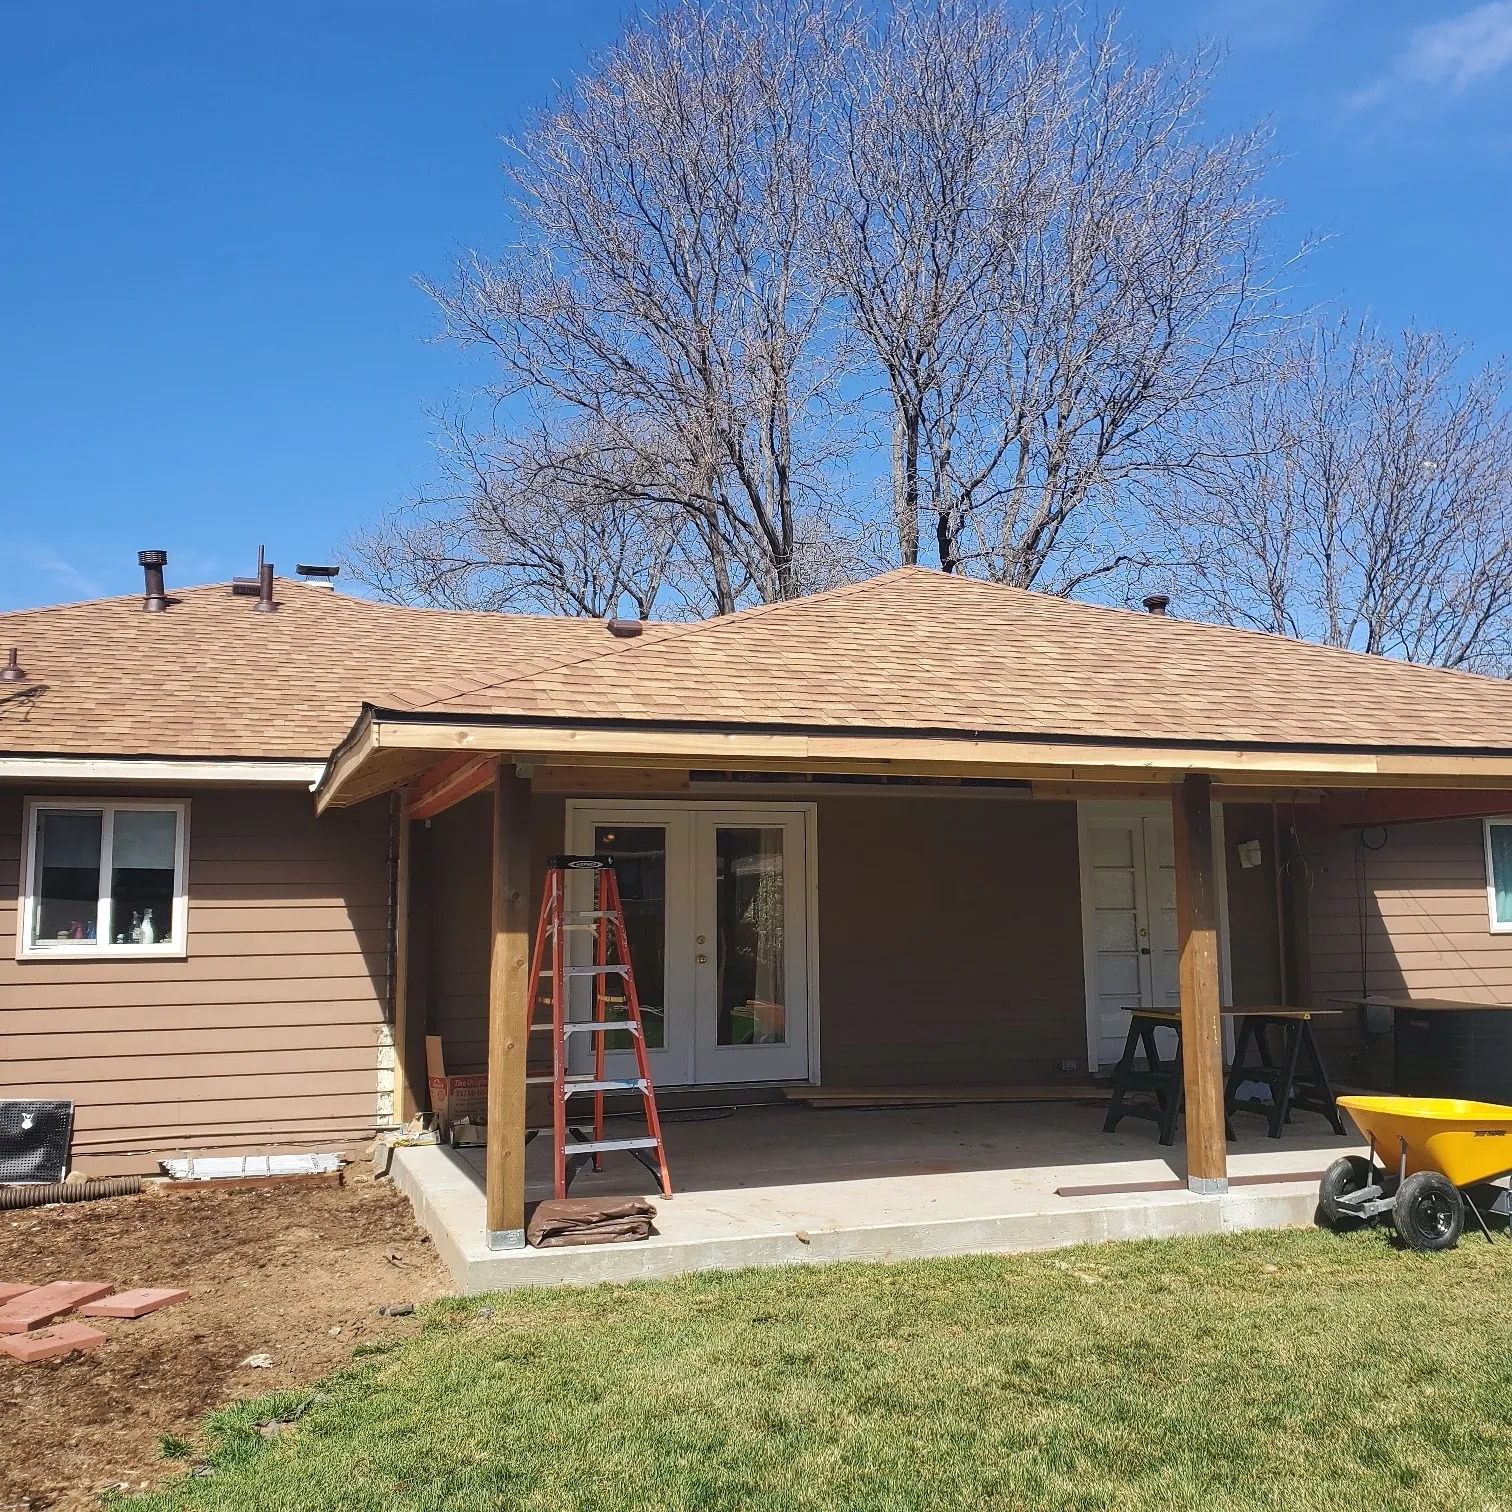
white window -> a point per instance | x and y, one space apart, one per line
1499 874
104 877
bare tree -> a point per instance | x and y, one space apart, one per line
667 282
526 524
1364 499
1135 298
933 138
748 225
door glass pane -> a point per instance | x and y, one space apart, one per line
68 875
141 876
640 854
749 911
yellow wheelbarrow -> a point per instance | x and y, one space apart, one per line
1439 1147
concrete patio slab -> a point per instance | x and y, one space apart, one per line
792 1185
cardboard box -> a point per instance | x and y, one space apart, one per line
453 1097
456 1097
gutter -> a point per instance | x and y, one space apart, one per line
292 773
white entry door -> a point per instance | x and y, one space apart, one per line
1129 909
717 913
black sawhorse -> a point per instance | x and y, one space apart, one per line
1160 1076
1291 1069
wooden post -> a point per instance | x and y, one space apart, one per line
508 1007
407 1071
1201 1022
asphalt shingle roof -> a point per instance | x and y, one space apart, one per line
210 677
917 650
910 650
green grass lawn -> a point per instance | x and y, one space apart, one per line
1283 1370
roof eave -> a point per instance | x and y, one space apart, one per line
388 747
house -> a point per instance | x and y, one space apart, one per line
254 857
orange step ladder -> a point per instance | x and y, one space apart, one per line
605 920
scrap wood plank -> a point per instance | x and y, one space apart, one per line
1120 1188
301 1180
842 1097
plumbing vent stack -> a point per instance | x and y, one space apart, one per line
152 563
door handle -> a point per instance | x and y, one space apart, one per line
1143 950
703 960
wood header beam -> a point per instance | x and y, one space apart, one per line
1397 806
1201 1004
448 782
387 752
509 1004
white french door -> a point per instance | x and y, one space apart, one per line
716 905
1128 868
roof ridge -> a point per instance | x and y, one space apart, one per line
675 634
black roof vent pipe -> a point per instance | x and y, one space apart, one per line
155 599
264 604
1155 603
11 671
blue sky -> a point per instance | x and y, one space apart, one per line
213 215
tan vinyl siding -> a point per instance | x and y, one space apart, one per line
949 935
1253 916
1425 925
1398 910
457 846
949 941
269 1030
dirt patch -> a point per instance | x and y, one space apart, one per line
269 1272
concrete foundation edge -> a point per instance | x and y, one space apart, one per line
446 1203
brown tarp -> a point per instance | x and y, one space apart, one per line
590 1220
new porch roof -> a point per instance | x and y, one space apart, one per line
919 672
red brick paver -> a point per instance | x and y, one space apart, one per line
44 1303
133 1304
51 1343
12 1289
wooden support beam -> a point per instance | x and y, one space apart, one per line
1201 1021
509 999
1397 806
409 1072
448 783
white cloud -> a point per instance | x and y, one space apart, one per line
1449 55
63 575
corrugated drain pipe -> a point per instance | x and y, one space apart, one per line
68 1191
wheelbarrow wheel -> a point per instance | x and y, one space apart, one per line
1429 1212
1349 1173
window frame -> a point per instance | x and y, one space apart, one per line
102 949
1498 926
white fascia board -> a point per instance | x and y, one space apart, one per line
304 774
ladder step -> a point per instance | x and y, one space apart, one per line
579 971
595 1146
619 1084
599 1026
578 915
